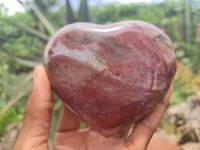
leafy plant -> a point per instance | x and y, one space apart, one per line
11 115
22 48
185 83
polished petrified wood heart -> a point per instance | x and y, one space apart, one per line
110 75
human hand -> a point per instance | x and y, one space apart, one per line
37 119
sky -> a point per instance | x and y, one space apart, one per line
14 6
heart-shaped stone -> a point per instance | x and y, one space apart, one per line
110 75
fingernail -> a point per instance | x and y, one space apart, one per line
36 71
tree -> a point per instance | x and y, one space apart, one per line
83 11
188 20
70 14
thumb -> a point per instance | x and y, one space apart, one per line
38 113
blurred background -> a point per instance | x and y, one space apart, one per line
27 25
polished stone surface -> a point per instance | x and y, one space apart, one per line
111 75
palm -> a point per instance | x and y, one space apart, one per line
86 140
70 137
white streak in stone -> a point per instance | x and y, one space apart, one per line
157 84
107 30
84 56
148 81
155 87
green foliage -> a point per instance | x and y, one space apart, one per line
10 83
161 11
185 83
188 54
10 116
107 14
55 118
18 42
58 18
178 95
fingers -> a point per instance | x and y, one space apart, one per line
67 136
68 121
38 112
145 128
